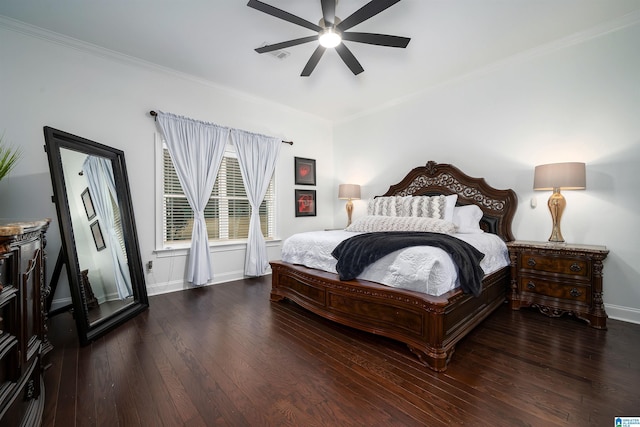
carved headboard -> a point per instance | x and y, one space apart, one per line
499 206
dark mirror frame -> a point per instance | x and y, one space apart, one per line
56 140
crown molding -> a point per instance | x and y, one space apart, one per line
625 21
86 47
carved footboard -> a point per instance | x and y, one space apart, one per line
430 326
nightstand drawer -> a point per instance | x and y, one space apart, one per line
570 292
555 264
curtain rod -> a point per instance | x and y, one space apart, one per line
155 116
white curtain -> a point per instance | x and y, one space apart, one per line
196 149
257 156
102 186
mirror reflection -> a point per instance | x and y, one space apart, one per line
95 219
99 239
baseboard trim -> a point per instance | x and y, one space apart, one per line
181 285
60 304
625 314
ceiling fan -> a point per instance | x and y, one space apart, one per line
332 31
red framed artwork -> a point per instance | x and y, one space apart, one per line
305 171
305 202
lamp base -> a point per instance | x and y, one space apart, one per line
349 211
556 205
556 236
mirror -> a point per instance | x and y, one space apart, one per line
98 232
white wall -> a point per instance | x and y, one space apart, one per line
563 103
47 80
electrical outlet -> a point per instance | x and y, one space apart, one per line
149 265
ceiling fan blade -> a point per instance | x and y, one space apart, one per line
349 59
289 43
329 12
365 12
313 61
377 39
279 13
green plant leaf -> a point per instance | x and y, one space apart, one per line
8 158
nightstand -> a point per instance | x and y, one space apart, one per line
558 278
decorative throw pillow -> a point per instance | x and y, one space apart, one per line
427 206
440 207
371 223
403 205
385 206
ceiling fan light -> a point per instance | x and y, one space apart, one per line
329 38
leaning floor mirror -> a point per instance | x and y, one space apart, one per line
99 240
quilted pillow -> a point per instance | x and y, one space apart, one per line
371 223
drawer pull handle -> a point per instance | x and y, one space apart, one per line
531 262
575 267
575 292
531 285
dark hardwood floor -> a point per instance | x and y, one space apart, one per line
226 355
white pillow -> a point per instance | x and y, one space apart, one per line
450 206
371 223
467 219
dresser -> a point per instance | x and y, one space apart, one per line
23 335
558 279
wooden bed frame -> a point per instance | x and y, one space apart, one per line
430 326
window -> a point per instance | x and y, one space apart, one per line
227 213
117 225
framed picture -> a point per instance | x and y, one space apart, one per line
88 204
305 171
97 235
305 202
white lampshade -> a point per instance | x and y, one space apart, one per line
565 176
349 191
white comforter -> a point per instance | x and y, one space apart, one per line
420 268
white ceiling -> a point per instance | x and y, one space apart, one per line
214 40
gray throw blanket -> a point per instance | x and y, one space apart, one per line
356 253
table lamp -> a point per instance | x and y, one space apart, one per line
349 192
556 177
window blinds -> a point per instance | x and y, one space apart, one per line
227 213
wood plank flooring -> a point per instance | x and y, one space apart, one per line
225 355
